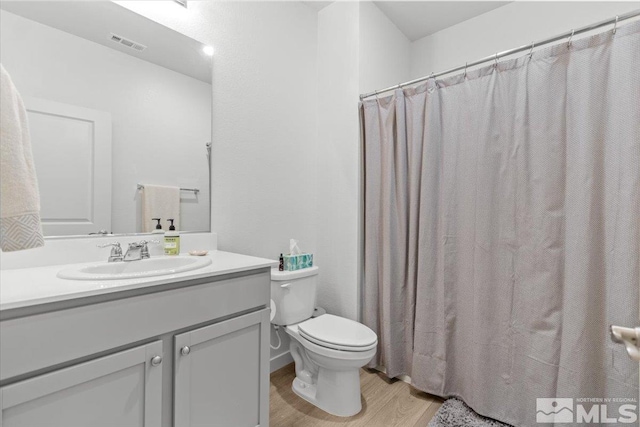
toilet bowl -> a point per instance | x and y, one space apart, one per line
328 351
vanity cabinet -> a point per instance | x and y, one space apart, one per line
187 354
122 389
217 373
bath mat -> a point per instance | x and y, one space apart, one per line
455 413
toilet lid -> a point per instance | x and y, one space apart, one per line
339 333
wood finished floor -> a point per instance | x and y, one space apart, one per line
385 403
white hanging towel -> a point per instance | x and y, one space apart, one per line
20 226
160 202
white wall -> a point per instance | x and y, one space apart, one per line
385 52
337 158
161 119
516 24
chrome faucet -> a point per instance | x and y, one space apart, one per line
116 251
138 250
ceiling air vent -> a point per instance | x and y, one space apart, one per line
126 42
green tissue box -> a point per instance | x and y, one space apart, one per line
297 262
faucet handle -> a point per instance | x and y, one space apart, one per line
144 242
116 246
116 251
143 246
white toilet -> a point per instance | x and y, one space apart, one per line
328 350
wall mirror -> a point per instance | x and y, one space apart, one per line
116 103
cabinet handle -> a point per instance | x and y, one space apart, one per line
156 361
185 350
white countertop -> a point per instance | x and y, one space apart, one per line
27 287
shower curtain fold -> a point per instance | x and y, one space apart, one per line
502 227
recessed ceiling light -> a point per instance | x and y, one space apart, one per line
208 50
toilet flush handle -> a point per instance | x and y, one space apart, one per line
285 286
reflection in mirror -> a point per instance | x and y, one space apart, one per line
119 107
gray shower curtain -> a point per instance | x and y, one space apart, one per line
502 227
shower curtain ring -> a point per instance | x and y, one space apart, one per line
615 25
376 93
531 51
495 65
465 69
569 41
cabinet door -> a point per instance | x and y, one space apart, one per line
222 374
122 389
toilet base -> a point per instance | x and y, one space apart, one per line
304 390
337 393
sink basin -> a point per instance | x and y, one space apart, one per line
159 266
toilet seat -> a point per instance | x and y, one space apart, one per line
338 333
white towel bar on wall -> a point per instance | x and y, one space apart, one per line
195 190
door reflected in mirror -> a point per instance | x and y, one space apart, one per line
117 105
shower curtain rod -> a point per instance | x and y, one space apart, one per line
499 55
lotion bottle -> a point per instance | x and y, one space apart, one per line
171 240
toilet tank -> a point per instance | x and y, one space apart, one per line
294 295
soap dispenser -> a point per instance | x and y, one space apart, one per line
158 229
171 240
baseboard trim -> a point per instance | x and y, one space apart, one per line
280 361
